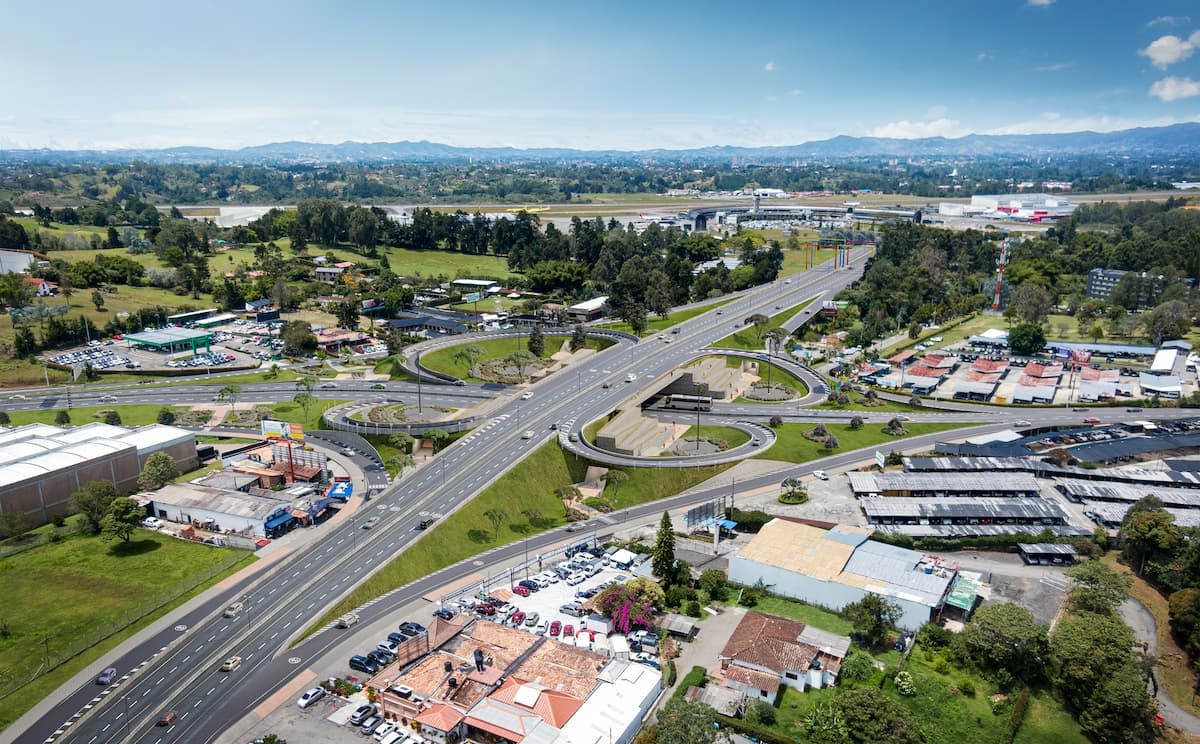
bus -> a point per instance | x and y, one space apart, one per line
688 402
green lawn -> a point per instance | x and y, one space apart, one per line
1045 720
389 366
656 324
17 373
289 411
818 617
134 414
385 450
651 484
443 360
792 446
491 304
751 338
408 262
530 485
730 436
77 590
856 404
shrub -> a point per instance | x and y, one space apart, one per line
905 685
676 596
761 712
775 422
941 666
693 608
966 687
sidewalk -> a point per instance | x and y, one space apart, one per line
267 557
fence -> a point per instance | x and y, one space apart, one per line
57 651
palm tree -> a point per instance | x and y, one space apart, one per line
775 338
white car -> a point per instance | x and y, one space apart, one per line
527 434
527 395
153 523
820 475
576 579
630 377
310 696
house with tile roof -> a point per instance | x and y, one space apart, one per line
766 653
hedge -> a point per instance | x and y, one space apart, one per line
754 730
695 678
669 674
1018 714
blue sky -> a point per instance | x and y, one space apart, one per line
627 75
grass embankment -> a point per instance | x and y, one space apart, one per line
652 484
752 338
728 435
21 374
856 404
1174 674
288 411
386 451
390 366
792 446
77 590
444 360
656 324
527 497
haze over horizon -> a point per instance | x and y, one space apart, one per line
620 76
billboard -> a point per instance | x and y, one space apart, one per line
880 459
282 430
473 297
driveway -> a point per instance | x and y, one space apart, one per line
708 643
1137 617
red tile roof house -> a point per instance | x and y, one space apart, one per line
766 653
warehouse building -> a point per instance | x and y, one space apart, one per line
836 567
1110 514
963 511
219 510
940 485
41 465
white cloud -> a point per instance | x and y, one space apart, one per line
905 129
795 92
983 57
1175 88
1168 21
1167 50
1054 123
769 67
1040 3
1056 67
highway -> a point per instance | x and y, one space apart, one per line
285 598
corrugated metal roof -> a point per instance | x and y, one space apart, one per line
943 482
155 435
1080 490
962 508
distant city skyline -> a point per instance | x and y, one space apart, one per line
615 75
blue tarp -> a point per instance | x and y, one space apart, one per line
341 490
278 520
728 524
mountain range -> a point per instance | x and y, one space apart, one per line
1174 140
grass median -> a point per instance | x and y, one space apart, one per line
753 338
792 446
656 324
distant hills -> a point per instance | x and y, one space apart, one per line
1177 139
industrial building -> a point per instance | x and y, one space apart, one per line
170 340
1027 207
1041 554
42 465
588 309
836 567
940 485
220 510
964 511
1112 514
1101 282
1090 491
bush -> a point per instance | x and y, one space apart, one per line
714 584
761 712
676 596
693 608
905 685
759 732
750 521
934 636
669 674
941 665
966 687
775 422
59 520
1018 713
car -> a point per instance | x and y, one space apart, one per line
108 399
1134 409
381 657
517 618
573 609
385 729
720 312
521 591
820 475
379 386
345 621
412 629
444 613
231 664
168 718
153 523
483 608
395 637
630 377
368 726
1091 420
388 645
647 659
568 631
555 629
1022 423
554 426
755 442
531 619
310 696
370 523
585 594
528 434
527 395
363 664
107 677
234 609
606 385
576 579
327 386
348 453
362 713
424 524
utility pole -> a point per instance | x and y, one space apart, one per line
697 417
419 382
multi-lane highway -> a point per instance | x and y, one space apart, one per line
288 596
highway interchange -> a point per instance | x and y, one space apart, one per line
178 667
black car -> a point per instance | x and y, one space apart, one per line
397 637
424 524
364 664
444 613
412 629
530 585
381 657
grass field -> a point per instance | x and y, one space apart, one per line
74 590
750 338
443 360
856 404
493 304
655 324
526 496
288 411
730 436
818 617
792 446
134 414
1056 328
651 484
18 373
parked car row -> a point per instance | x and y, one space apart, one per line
385 651
212 359
369 721
98 358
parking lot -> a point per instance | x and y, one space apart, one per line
115 354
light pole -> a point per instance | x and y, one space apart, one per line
418 382
697 417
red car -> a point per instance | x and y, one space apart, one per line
483 608
521 591
555 629
568 631
517 618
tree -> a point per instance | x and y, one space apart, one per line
795 488
872 618
62 417
759 321
1030 302
1120 709
714 583
347 314
761 712
14 524
1147 530
871 717
663 556
681 722
496 516
614 479
521 359
468 355
98 300
399 462
631 605
537 342
123 517
4 419
305 401
1006 637
230 393
1098 588
298 338
1084 649
402 441
831 442
438 437
857 667
158 471
166 416
825 724
1167 321
1026 339
92 501
578 337
112 418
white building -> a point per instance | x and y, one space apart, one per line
837 567
225 511
613 713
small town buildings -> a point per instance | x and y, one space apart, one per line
588 310
766 653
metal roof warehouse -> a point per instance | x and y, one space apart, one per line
952 511
1045 469
1081 491
942 484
